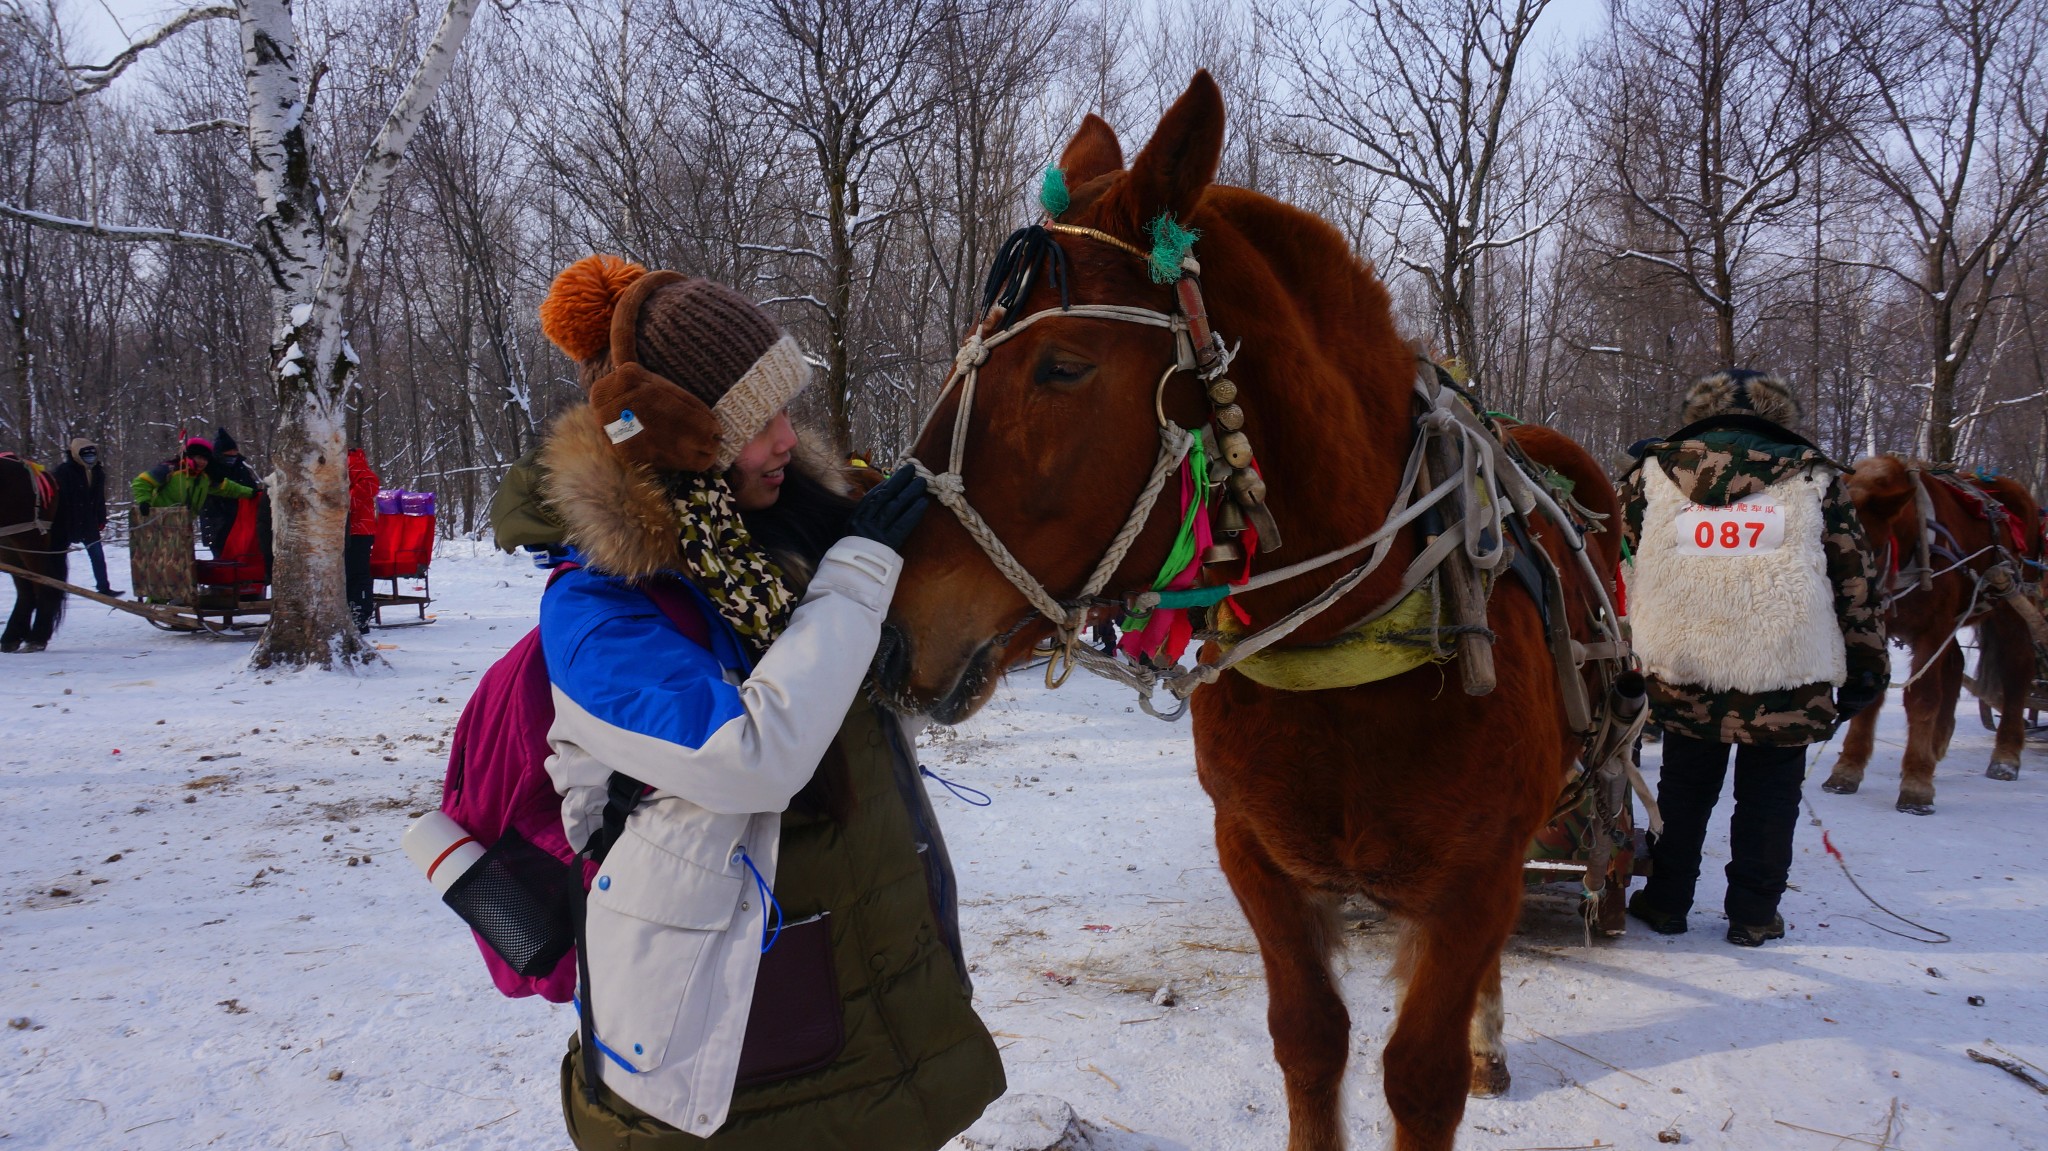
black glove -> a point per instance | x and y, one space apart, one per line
888 513
1852 698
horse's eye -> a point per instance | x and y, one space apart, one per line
1063 369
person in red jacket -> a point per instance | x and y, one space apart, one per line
362 529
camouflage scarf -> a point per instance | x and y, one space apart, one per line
742 581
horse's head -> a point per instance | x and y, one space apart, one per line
1881 487
1061 433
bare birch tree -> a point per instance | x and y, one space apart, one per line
310 256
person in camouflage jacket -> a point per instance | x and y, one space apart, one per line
1734 448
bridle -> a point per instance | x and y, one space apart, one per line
1487 487
1197 349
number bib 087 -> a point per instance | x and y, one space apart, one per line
1734 530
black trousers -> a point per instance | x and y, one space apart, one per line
1767 782
96 551
361 589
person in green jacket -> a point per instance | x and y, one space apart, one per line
182 481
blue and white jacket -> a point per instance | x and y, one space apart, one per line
675 919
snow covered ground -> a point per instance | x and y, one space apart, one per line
209 937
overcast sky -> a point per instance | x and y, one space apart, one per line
105 26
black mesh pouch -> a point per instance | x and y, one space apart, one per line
522 901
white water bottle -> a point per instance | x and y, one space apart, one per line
441 849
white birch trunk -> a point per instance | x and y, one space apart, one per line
311 267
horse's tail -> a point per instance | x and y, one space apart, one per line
57 565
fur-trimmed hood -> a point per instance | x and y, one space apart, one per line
618 513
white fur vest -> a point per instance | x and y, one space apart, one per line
1750 621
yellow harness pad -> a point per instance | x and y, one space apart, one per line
1367 653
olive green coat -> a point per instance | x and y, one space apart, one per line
918 1066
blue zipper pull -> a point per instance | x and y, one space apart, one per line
768 899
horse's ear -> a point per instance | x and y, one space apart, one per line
1180 159
1094 151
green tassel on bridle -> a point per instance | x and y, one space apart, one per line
1170 245
1052 193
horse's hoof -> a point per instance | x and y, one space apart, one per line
1841 786
2005 771
1915 808
1490 1078
9 648
32 648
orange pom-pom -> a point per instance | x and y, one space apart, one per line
577 315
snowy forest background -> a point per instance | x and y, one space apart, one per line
1852 192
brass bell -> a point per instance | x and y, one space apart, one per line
1248 486
1237 449
1222 392
1230 417
1229 519
1222 552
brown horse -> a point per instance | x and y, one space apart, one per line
1409 790
27 509
1962 558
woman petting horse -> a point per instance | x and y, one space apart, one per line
28 508
1957 552
1062 425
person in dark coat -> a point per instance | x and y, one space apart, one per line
217 517
82 507
362 533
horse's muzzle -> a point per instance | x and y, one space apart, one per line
948 702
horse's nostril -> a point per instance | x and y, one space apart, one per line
892 659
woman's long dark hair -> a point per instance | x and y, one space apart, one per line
808 517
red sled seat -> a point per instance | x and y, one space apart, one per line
241 556
402 547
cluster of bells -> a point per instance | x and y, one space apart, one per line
1247 502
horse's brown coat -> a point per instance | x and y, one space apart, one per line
1925 620
1408 791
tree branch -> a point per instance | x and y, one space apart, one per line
388 150
96 77
194 129
131 235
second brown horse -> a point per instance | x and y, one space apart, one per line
1945 538
1408 790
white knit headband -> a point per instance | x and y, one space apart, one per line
765 389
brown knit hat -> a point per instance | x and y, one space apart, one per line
697 364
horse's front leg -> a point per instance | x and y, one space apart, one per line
23 615
1857 746
1310 1027
1924 700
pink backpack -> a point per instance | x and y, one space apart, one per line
498 779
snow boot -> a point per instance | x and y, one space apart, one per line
1659 920
1742 935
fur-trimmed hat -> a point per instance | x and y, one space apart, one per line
1739 390
700 367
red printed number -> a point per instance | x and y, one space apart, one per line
1730 536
